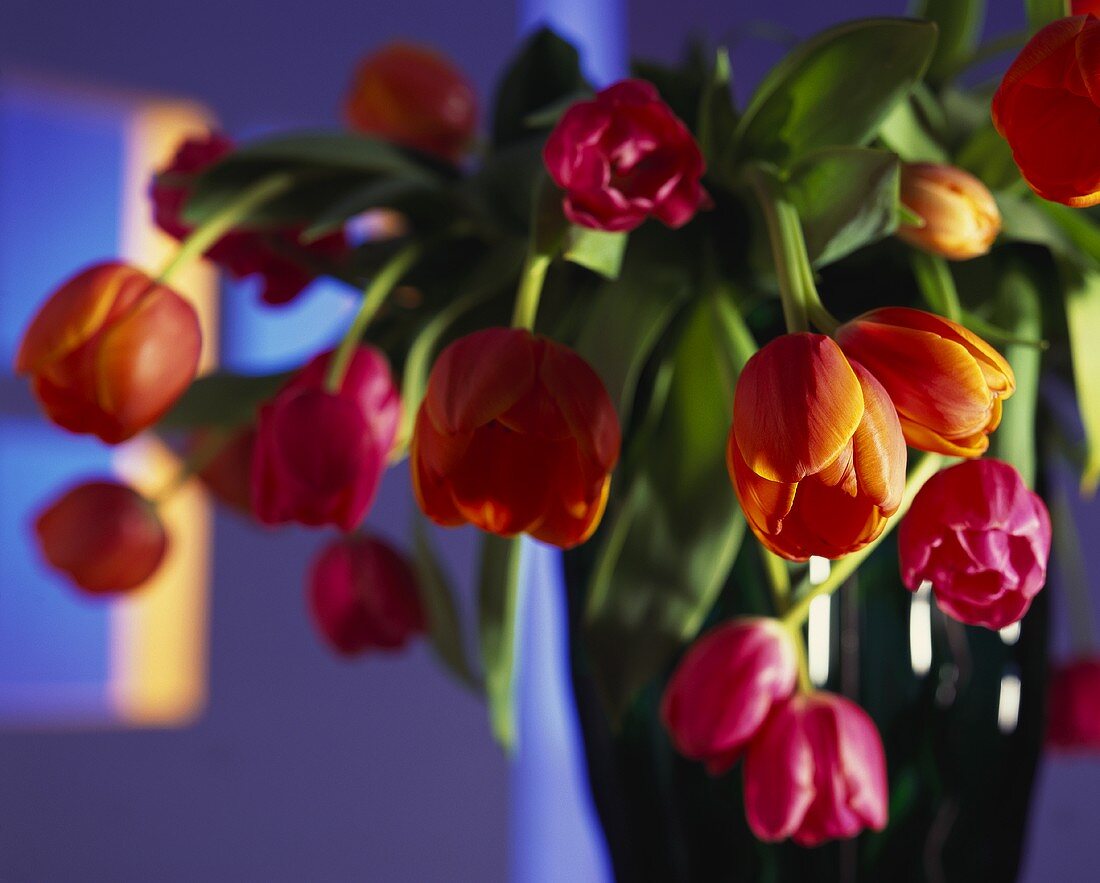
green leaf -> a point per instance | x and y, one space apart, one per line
1082 294
411 197
846 197
444 624
717 118
498 608
546 70
222 399
1069 233
1041 13
597 250
936 284
836 89
987 155
668 550
960 25
906 132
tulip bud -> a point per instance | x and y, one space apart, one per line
228 474
815 452
961 218
516 435
104 536
363 595
981 538
319 456
725 687
1073 719
1047 106
816 771
624 156
947 384
413 96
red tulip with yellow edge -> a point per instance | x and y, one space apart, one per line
516 435
816 452
947 384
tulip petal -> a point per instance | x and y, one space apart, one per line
779 775
878 446
432 456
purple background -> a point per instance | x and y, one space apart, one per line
304 767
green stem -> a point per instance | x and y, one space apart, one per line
224 220
530 289
988 51
843 568
779 579
374 296
936 284
805 684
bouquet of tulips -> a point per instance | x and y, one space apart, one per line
707 349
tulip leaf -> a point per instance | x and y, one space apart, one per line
836 89
1068 233
437 596
1041 13
717 118
846 197
987 155
498 611
960 25
222 399
426 205
597 250
666 552
1082 296
906 132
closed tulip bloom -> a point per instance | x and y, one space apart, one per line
1073 711
413 96
815 772
104 536
363 595
109 352
725 687
319 456
228 474
947 384
625 156
516 435
816 452
981 538
960 216
1048 110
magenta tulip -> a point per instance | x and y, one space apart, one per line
1074 707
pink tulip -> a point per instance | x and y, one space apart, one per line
1074 707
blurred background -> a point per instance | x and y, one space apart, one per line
274 760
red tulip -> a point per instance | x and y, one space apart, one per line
264 253
725 687
960 216
1074 707
516 435
1084 7
815 453
947 384
413 96
109 352
981 538
816 772
1048 109
103 536
363 595
319 456
228 475
624 156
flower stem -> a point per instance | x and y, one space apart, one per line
221 222
779 579
374 296
805 684
843 568
936 284
530 290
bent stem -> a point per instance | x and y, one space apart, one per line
530 289
843 568
779 579
221 222
374 296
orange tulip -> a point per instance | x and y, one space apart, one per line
516 435
1048 110
110 352
816 452
413 96
961 218
947 384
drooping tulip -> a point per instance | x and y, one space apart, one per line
1073 707
104 536
363 595
1048 110
816 771
725 687
815 452
268 254
947 384
319 455
413 96
981 538
624 156
516 435
110 351
960 217
228 474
